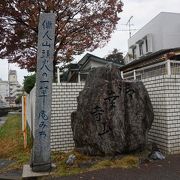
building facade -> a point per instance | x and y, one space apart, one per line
160 74
78 72
15 89
4 92
10 90
162 32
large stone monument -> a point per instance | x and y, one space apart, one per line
41 160
113 115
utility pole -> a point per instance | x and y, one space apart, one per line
9 84
129 26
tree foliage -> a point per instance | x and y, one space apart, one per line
29 82
18 100
80 25
116 57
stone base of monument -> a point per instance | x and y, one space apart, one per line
28 173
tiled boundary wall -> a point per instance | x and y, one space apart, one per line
164 92
64 102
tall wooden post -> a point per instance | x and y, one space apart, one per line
25 122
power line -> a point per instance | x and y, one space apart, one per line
126 30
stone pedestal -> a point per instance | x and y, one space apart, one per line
28 173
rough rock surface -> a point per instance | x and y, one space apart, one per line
113 115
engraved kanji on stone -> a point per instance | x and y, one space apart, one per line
111 99
45 65
47 35
106 129
45 53
46 44
98 111
47 24
42 133
43 115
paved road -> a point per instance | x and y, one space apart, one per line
168 169
13 174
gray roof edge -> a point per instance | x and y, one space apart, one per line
98 59
148 57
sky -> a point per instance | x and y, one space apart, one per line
141 10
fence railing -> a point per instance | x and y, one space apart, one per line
175 67
59 73
163 68
28 110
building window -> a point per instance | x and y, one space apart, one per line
134 52
146 42
141 49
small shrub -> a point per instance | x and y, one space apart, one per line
29 83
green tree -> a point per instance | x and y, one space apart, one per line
18 100
29 82
116 56
80 25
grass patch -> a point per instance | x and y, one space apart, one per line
128 161
102 164
59 158
11 147
62 169
11 140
